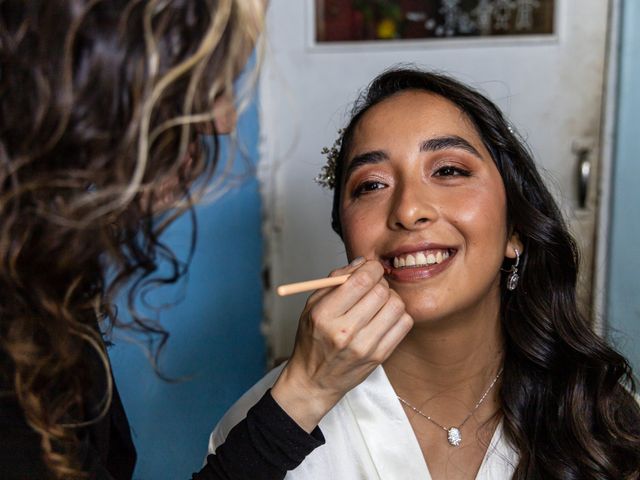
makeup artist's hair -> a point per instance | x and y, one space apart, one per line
98 103
567 397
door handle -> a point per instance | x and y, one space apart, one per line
584 174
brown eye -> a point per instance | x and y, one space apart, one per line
451 171
367 187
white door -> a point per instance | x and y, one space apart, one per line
549 86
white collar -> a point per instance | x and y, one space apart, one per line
392 444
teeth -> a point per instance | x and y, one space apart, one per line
421 258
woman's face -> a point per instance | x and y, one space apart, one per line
423 196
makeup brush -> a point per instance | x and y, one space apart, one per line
299 287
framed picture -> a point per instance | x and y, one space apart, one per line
384 21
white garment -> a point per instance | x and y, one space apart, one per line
368 437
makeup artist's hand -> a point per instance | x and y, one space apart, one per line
344 333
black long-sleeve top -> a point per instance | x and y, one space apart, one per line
263 446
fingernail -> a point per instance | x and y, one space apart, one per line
356 261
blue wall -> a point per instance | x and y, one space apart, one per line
624 260
215 335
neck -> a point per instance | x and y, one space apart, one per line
453 356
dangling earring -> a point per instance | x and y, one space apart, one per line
512 279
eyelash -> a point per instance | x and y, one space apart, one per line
444 171
365 187
453 171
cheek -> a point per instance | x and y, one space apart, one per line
482 218
358 231
478 214
351 231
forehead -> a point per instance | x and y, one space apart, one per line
413 113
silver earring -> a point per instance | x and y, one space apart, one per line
512 279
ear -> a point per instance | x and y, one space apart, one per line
513 243
225 115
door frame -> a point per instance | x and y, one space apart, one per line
605 172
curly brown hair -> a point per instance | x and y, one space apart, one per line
100 103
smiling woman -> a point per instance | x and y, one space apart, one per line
500 376
437 195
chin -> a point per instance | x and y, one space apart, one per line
426 314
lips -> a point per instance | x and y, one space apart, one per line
418 259
410 263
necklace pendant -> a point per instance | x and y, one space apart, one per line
454 436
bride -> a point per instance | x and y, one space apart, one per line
500 376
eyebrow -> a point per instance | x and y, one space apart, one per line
447 142
432 145
366 158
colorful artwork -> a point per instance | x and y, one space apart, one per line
366 20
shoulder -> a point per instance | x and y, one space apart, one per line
238 410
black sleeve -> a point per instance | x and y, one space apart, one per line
264 446
105 448
20 450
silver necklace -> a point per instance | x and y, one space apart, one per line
454 437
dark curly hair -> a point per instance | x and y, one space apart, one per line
101 105
567 397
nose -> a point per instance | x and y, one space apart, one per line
412 207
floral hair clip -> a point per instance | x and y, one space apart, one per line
327 176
